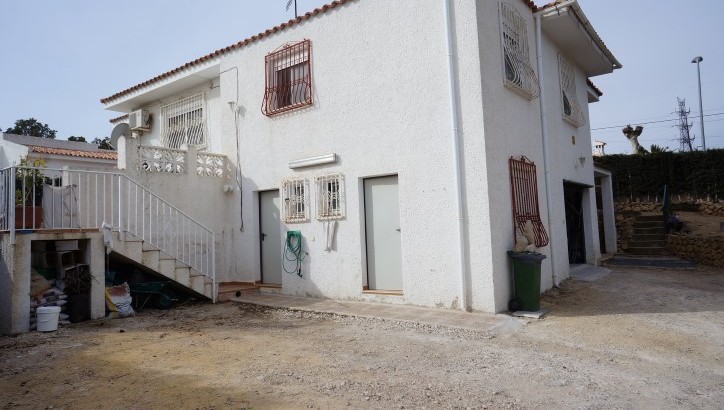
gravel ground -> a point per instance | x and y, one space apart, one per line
636 339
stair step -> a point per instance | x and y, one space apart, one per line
648 237
657 224
148 247
646 250
649 231
659 218
647 244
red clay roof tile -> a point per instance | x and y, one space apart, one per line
100 154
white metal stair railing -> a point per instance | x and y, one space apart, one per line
75 199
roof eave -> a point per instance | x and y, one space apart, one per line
565 21
156 89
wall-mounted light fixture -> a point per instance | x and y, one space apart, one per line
311 161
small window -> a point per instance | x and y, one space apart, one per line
294 191
288 78
330 196
183 123
517 72
572 112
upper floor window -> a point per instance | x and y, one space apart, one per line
288 74
572 112
183 122
517 72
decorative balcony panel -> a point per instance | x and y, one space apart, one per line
163 160
212 165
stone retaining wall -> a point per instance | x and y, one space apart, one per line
706 250
624 229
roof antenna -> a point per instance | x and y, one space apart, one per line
289 4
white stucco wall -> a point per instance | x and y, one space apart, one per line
566 165
512 128
381 106
11 153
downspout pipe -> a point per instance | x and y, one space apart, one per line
455 140
544 133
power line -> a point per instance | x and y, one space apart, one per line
654 122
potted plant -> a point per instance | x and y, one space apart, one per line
29 182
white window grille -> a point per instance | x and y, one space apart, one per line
330 197
518 74
294 201
572 111
183 123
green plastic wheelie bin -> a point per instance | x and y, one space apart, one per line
526 280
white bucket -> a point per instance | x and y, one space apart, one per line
48 318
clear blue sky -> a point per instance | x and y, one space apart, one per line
60 57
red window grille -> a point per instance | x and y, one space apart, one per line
524 193
288 74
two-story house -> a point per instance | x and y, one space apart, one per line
363 151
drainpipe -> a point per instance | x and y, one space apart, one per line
455 139
543 124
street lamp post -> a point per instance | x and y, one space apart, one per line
698 60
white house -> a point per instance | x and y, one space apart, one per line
55 153
397 148
351 125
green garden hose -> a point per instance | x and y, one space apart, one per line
293 252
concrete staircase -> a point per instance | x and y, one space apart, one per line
649 236
138 251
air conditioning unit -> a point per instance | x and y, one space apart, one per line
139 120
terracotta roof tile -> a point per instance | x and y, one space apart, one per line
228 49
118 119
100 154
593 86
253 39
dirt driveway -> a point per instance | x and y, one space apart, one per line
636 339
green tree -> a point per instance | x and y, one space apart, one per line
32 127
657 149
76 139
104 143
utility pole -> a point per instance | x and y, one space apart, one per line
685 138
698 60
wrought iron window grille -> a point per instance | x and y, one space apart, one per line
518 75
288 78
572 111
524 194
183 123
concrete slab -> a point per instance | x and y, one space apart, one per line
531 315
668 262
491 324
589 273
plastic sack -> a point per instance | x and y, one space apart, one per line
118 301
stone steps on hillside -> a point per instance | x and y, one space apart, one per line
648 237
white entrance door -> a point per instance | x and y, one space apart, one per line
271 242
382 226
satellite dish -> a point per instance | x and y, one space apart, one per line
119 130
